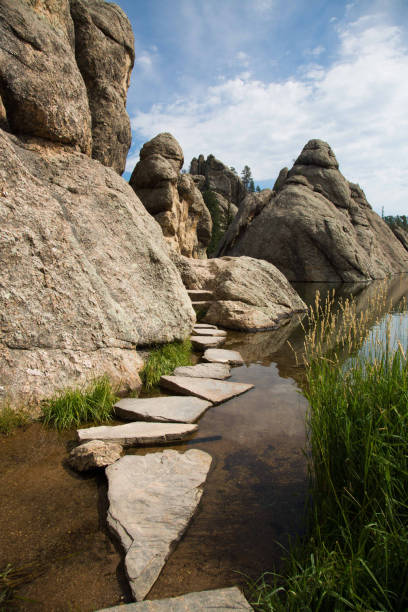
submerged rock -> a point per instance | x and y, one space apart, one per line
222 600
94 454
152 498
316 226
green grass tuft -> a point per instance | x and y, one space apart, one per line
10 419
74 407
163 360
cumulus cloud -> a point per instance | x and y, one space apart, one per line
358 104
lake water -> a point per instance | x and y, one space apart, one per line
252 503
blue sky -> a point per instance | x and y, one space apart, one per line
251 81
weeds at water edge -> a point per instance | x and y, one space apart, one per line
163 360
11 419
355 554
11 578
74 407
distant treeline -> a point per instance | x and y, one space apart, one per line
396 221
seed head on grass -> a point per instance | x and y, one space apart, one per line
74 407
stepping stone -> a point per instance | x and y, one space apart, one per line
152 499
203 342
205 370
223 356
200 295
210 332
215 391
205 326
138 433
173 409
222 600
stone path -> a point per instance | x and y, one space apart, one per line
210 332
222 600
205 370
138 433
223 356
205 326
152 499
215 391
174 409
203 342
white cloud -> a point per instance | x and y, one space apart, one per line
358 104
316 51
242 58
145 60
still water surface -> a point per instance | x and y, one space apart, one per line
253 499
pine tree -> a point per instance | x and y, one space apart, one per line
246 176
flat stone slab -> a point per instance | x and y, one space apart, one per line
152 499
215 391
205 370
223 356
138 433
205 326
210 332
222 600
173 409
203 342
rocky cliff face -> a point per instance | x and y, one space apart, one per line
172 198
85 275
212 175
65 67
402 234
315 225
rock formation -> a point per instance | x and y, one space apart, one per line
212 175
402 234
105 56
249 294
65 69
85 275
315 225
172 198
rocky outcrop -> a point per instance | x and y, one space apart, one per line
249 294
172 198
85 275
105 56
219 178
64 78
315 225
212 175
402 234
